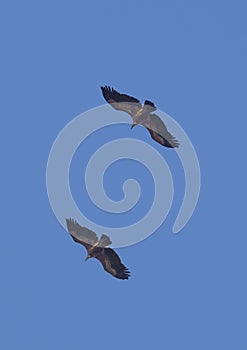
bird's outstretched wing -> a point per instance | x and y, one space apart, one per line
81 234
121 102
112 263
158 131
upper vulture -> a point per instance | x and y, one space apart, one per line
141 114
96 248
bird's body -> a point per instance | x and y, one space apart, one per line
97 248
141 115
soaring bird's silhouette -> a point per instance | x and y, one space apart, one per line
96 248
141 114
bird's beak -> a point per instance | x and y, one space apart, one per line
134 124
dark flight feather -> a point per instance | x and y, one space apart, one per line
111 96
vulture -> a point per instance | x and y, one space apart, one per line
141 114
96 248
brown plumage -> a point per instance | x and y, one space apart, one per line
96 248
141 114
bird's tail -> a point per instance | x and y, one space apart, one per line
104 241
150 106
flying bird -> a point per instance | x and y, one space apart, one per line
96 248
141 114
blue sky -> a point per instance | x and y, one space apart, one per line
187 291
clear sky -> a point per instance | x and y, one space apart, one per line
187 291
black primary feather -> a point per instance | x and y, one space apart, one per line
111 95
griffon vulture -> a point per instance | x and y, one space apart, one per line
141 114
96 248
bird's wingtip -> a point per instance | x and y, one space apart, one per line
106 87
176 144
70 222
